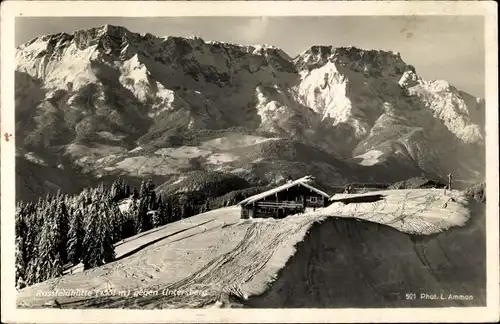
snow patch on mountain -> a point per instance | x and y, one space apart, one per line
136 149
135 77
370 157
409 79
110 136
183 152
449 106
270 109
67 67
219 158
325 90
32 157
235 141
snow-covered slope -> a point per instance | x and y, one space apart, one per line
227 261
143 90
425 211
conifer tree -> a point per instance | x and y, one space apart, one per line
184 210
20 264
50 264
128 225
161 213
62 226
100 192
32 242
75 238
143 191
135 193
155 218
98 239
176 211
90 238
21 227
31 272
145 198
107 235
169 212
21 252
134 213
118 190
115 219
114 193
142 216
151 195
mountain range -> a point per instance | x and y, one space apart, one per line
106 102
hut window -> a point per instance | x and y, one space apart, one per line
299 198
313 199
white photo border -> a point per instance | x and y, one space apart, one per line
12 9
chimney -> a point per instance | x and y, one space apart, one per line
308 178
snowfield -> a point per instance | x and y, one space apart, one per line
235 141
216 259
185 152
218 158
425 211
370 157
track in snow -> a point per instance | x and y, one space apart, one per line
312 260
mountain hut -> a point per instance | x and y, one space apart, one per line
294 197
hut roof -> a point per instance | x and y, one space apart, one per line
306 181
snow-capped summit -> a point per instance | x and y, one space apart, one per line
376 62
409 79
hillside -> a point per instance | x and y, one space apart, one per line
229 262
111 103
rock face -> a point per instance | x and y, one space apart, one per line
122 90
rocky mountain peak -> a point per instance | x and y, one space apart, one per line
374 62
347 101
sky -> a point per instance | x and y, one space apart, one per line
439 47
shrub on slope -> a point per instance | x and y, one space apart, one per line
477 192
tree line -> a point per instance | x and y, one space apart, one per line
60 231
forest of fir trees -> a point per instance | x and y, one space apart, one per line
61 231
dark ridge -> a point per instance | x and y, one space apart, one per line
417 183
360 199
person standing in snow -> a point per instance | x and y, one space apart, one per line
348 189
450 175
